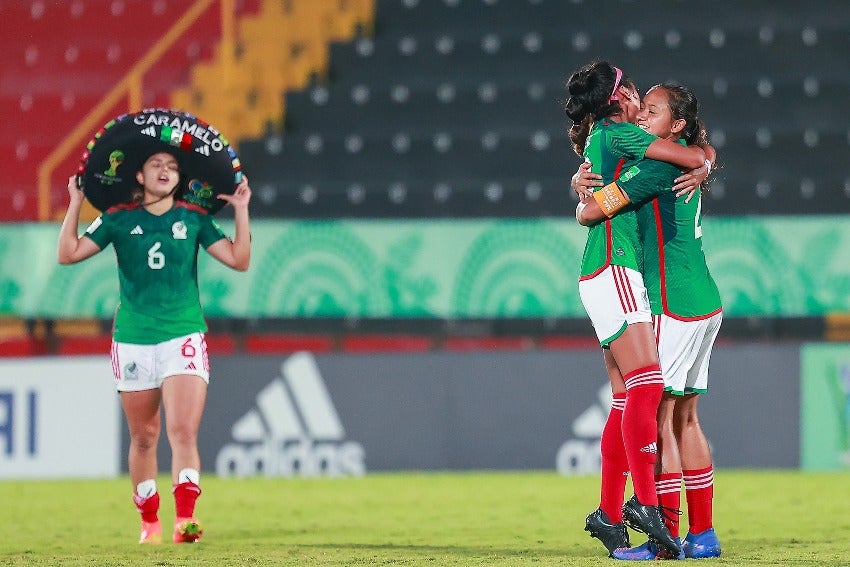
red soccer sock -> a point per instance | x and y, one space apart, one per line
615 466
147 507
185 495
644 387
699 492
668 486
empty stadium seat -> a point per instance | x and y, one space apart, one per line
61 59
284 343
386 343
466 344
462 75
22 347
450 73
84 345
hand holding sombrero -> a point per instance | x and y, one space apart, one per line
208 165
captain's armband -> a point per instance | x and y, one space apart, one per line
611 199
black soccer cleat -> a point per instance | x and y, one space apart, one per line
612 535
647 519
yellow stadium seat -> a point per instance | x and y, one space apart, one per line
12 328
77 328
350 18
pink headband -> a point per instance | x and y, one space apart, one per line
614 95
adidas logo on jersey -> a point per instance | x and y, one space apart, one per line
294 430
651 448
137 230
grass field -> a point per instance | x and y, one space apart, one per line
762 518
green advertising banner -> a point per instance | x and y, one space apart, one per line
825 412
481 268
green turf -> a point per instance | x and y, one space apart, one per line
763 518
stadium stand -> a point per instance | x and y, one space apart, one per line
453 107
60 59
440 108
21 338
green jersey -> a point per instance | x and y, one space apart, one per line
157 269
614 149
675 271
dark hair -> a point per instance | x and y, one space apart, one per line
684 105
590 91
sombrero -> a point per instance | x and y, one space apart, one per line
208 165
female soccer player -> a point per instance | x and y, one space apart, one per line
687 315
602 105
159 357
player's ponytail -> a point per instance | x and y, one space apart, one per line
593 95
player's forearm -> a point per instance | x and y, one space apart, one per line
708 149
242 240
68 234
684 156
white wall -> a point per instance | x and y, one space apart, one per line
59 418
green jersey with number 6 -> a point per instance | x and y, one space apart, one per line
157 269
614 149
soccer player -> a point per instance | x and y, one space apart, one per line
603 104
687 315
159 356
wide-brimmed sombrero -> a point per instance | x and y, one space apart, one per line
208 165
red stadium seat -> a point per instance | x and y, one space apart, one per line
22 346
387 343
288 343
567 343
63 57
85 345
220 344
488 343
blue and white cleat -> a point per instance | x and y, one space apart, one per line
647 552
702 545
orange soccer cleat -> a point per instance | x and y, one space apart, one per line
187 530
151 533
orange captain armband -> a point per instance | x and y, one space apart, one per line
611 199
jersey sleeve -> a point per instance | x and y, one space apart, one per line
647 179
210 232
631 141
100 230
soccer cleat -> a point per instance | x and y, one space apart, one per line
701 545
664 554
187 530
647 519
646 552
151 533
612 535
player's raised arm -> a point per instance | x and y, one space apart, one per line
72 248
236 253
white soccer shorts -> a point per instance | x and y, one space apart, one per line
684 350
144 367
614 298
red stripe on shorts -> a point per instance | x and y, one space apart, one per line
624 289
